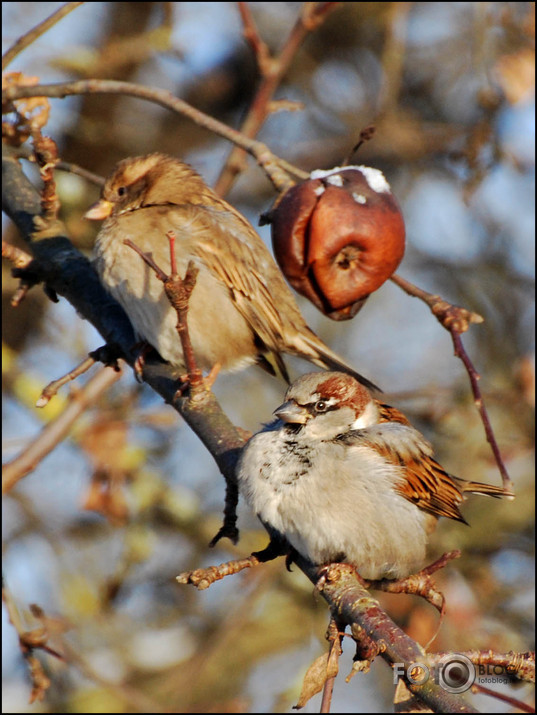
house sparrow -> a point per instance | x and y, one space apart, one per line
339 476
241 311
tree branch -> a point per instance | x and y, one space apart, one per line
53 433
26 40
277 169
457 320
272 71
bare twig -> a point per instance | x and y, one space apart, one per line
334 636
277 169
52 388
46 153
252 36
80 171
513 702
25 152
29 641
365 135
328 689
25 40
203 578
457 320
272 71
452 317
478 401
56 430
178 290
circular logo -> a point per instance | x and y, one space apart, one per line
456 673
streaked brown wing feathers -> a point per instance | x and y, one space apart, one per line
425 483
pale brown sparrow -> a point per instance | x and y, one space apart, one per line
241 311
339 476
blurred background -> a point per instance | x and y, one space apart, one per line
450 90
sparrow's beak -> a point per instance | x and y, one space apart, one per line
99 211
292 412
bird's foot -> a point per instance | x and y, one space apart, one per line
421 583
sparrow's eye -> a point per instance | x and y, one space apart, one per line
122 190
321 406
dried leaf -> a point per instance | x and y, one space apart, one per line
316 676
32 113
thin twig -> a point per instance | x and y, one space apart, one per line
80 171
328 689
25 40
461 353
29 641
452 317
52 388
46 154
53 433
512 702
25 152
277 169
334 636
252 36
203 578
272 69
178 291
457 320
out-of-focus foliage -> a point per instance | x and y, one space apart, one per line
450 88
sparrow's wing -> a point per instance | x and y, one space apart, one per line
424 482
232 250
391 414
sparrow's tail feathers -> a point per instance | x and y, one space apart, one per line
487 489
